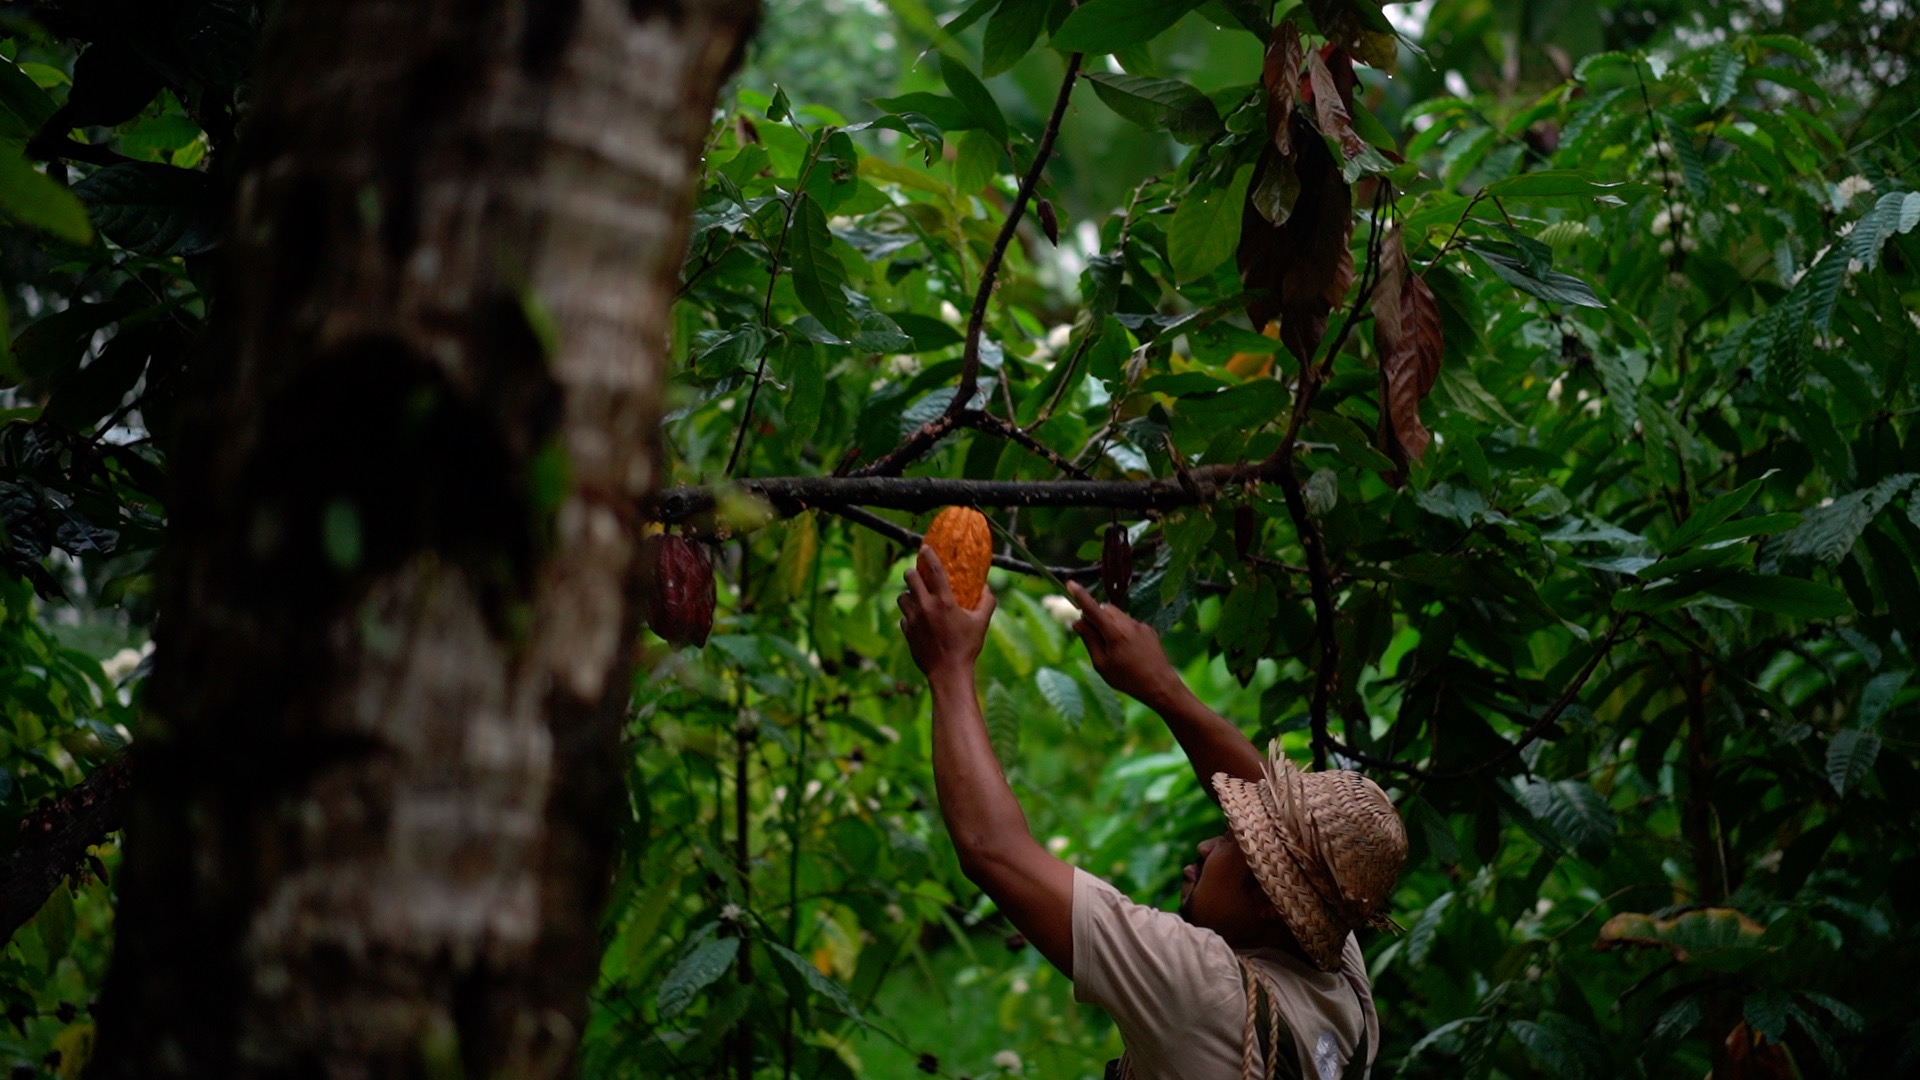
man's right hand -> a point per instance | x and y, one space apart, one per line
1125 651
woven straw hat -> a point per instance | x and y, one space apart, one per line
1326 848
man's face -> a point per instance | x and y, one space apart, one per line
1220 894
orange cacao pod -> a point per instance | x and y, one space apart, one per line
1116 565
680 602
959 534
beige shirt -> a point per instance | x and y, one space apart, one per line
1175 992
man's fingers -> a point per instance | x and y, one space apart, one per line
916 585
934 572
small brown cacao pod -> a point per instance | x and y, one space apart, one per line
1116 565
680 599
1245 530
959 534
1049 222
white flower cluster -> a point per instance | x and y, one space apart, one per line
1850 189
1010 1061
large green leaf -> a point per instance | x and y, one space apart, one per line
1011 31
1102 26
24 107
1784 595
1850 757
1206 226
972 94
1574 811
152 209
1158 104
30 197
695 972
1552 285
819 278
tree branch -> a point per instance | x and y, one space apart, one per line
790 495
1326 674
54 837
934 430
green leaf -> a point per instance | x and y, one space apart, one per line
1557 183
835 994
1552 286
1877 697
1741 528
972 94
24 107
1850 757
1784 595
1206 226
1828 533
1724 66
1574 811
976 163
56 922
720 354
818 275
1426 929
33 198
1766 1013
695 972
1711 515
152 209
1159 104
1012 30
1894 213
1102 26
944 112
1061 692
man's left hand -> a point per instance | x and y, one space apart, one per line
945 638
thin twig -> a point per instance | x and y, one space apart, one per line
910 540
1006 429
933 430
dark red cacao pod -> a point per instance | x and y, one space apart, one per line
1116 565
680 599
1049 223
1245 528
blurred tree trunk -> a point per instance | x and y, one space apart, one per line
379 794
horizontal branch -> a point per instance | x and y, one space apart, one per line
910 540
790 495
54 838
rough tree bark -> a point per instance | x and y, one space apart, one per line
376 810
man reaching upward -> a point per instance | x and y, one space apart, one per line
1259 975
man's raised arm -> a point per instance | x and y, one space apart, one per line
1127 653
996 848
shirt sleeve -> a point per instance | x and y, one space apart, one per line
1156 974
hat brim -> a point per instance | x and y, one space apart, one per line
1259 829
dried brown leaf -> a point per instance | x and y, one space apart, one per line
1408 338
1332 99
1280 74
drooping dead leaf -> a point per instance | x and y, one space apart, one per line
1300 268
1407 336
1280 74
1333 98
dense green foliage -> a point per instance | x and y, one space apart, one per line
1668 522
